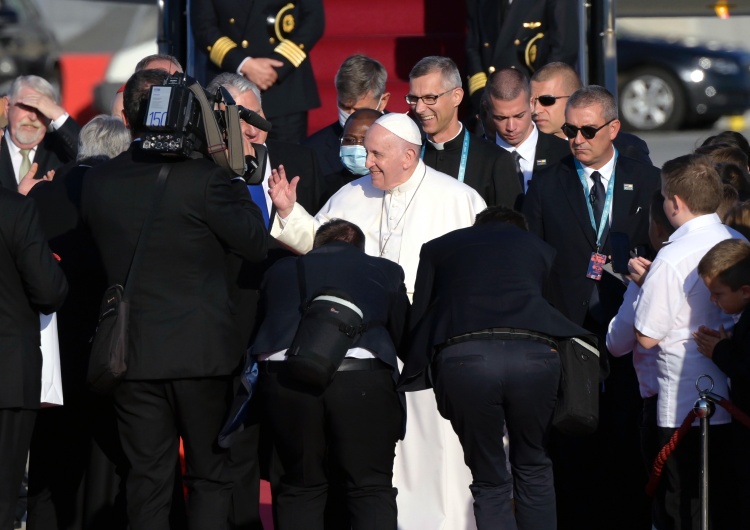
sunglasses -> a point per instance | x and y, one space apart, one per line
547 100
587 131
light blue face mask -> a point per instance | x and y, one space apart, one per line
354 158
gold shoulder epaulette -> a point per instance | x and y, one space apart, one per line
291 52
477 82
220 48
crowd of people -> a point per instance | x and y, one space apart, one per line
466 254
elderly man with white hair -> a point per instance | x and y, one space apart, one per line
399 206
39 131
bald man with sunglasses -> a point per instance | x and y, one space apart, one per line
551 86
576 206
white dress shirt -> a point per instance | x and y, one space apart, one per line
527 150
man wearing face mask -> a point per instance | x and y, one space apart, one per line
434 96
353 153
360 84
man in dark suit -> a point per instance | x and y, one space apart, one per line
268 42
514 34
31 107
510 110
357 419
30 282
575 206
551 86
483 335
360 84
434 96
184 339
69 444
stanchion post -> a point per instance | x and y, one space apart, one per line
704 408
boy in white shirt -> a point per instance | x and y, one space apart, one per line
673 303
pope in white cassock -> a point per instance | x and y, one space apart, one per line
399 206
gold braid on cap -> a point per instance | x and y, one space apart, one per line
291 52
220 49
477 82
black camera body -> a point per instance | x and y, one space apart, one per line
173 119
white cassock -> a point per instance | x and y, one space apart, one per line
429 470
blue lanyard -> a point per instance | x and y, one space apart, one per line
607 201
464 156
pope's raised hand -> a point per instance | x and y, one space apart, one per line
283 193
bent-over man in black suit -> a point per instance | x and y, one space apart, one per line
484 336
31 107
355 422
435 93
576 206
30 282
184 339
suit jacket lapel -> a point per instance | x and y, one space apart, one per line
622 199
576 198
7 175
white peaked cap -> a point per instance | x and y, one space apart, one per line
402 126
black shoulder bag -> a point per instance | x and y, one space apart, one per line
108 361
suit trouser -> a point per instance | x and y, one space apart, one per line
151 416
16 426
354 425
483 385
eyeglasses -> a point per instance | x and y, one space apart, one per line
350 140
587 131
427 100
547 100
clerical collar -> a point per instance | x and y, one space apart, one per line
414 180
441 145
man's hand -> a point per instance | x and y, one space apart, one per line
708 338
44 105
637 269
282 192
261 71
28 181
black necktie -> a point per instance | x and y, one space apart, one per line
519 171
596 197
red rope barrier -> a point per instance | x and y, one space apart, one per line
736 413
670 446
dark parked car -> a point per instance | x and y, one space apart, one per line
668 84
27 46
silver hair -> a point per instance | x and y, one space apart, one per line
104 136
594 95
357 76
235 83
448 70
34 82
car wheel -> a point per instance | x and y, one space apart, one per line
651 99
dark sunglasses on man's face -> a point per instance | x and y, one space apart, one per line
587 131
547 100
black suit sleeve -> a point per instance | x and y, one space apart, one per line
398 313
238 224
532 207
562 30
733 358
422 287
43 279
66 140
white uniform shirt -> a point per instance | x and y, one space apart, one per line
673 304
621 340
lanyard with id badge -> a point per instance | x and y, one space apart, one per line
597 261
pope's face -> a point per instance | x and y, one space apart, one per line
386 158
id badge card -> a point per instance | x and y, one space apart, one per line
596 266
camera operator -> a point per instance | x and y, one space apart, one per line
184 339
